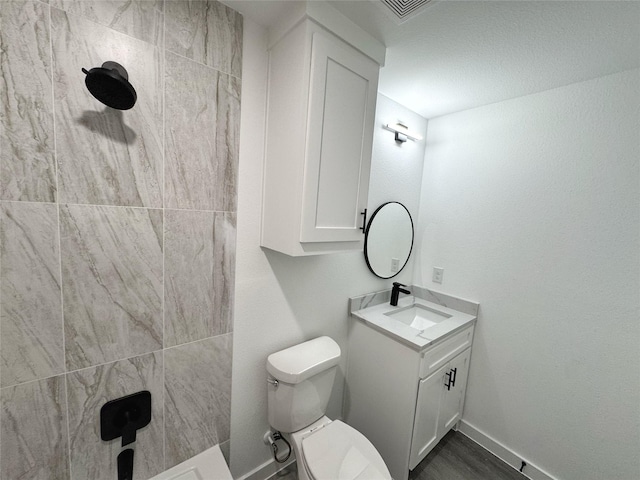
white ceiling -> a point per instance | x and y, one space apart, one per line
458 55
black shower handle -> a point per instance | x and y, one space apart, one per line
125 465
129 430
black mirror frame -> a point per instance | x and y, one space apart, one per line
366 240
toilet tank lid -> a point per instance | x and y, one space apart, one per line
298 363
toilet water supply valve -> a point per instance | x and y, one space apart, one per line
271 439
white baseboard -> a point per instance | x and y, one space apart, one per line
267 470
503 453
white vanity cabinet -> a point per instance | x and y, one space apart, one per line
321 95
404 400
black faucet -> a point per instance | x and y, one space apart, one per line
395 292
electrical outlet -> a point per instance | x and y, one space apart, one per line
438 273
395 264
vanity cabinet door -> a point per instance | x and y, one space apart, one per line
425 427
342 101
439 406
455 376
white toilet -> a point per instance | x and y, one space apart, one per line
300 383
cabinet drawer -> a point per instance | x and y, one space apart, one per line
440 354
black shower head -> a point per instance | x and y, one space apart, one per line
110 84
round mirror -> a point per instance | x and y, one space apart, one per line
388 240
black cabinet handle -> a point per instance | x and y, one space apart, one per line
364 221
451 378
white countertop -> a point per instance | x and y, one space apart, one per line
376 316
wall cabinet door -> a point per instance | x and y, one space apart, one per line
341 114
425 427
452 400
321 103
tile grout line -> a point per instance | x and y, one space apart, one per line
204 65
70 204
66 398
164 225
1 362
59 231
198 340
132 357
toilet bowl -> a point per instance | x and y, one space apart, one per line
333 450
300 383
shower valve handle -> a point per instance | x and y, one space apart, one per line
124 416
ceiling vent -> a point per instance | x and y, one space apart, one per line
403 10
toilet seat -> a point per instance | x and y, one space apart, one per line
339 452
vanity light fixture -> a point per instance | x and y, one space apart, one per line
402 132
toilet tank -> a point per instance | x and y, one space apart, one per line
305 375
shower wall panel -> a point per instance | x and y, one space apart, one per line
117 231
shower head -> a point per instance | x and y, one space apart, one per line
110 84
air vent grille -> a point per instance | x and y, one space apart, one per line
403 10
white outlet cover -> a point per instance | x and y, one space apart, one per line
438 274
395 264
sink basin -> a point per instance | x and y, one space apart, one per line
418 316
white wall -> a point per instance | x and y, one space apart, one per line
532 207
280 300
396 169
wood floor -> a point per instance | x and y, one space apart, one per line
456 457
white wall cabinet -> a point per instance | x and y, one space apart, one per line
403 400
320 118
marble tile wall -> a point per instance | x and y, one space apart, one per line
197 398
26 113
117 231
125 148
